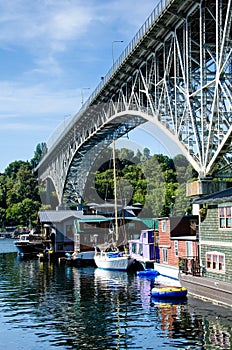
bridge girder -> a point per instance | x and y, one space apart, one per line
178 76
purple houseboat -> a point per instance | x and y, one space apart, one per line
145 249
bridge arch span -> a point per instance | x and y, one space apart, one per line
76 168
176 73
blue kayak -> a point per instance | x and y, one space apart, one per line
148 273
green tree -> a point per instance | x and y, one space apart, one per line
104 184
184 171
146 153
161 181
13 168
3 191
2 218
138 157
157 182
40 151
19 195
182 203
24 213
22 185
125 156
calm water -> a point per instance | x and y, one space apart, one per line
47 306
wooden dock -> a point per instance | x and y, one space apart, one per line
218 292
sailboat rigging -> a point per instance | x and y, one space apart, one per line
115 194
114 260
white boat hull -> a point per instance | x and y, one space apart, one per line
85 255
122 263
167 270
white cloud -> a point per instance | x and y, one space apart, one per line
17 100
46 20
22 127
50 50
47 27
70 23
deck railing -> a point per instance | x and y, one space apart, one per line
190 265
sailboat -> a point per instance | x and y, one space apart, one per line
114 260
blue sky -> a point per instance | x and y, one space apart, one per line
50 52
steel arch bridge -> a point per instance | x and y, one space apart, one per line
176 73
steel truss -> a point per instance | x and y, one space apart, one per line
177 76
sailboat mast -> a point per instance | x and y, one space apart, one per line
115 194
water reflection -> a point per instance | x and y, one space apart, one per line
85 308
196 323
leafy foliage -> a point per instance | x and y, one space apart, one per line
19 195
23 213
156 181
40 151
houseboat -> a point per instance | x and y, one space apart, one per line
178 245
145 250
81 231
214 282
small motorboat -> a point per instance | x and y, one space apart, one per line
85 258
30 244
169 292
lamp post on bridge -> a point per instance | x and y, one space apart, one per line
82 94
115 41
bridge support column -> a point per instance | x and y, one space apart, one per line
48 192
50 196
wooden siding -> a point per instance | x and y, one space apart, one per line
164 237
218 240
166 241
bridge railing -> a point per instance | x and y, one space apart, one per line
126 52
129 48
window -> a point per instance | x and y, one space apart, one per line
189 249
133 248
70 231
77 238
225 216
165 255
208 260
215 261
163 225
176 248
131 225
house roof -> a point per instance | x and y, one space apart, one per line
217 197
94 218
55 216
